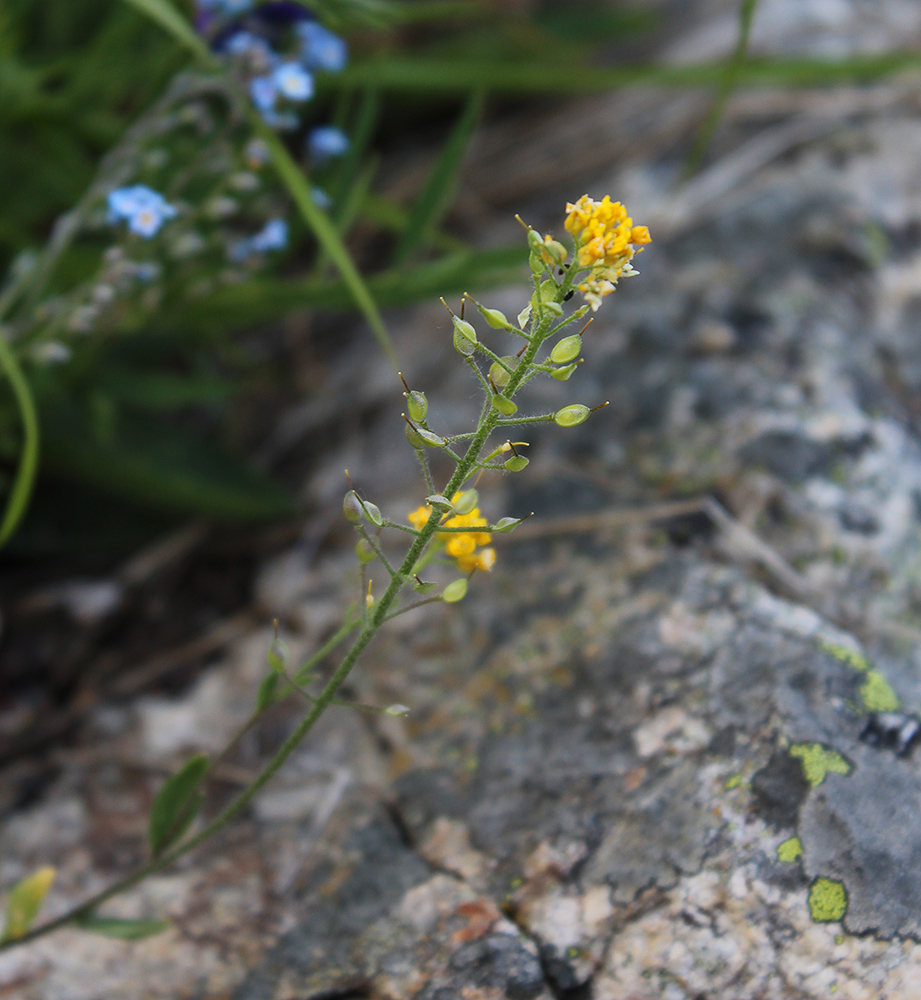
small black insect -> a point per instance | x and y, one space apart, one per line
891 731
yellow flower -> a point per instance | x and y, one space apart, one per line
461 545
482 560
606 241
419 517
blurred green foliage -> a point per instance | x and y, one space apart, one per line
143 421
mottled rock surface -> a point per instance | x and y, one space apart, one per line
636 764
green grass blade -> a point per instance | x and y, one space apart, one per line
325 232
411 74
166 15
727 85
350 207
438 192
21 490
365 123
234 307
389 215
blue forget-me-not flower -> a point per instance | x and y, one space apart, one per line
143 208
320 48
326 142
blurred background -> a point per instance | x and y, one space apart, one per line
197 394
195 389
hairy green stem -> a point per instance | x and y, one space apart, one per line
372 619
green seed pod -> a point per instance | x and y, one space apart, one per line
417 405
466 502
499 375
554 307
536 262
566 349
465 329
454 592
494 317
516 463
351 507
372 513
572 415
562 374
547 291
535 240
364 551
278 655
396 710
504 405
412 436
437 500
555 251
506 524
524 316
423 588
463 345
430 439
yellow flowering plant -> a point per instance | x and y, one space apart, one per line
447 526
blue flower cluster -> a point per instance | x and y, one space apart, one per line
279 46
143 208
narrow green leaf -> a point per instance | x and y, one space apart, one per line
157 465
234 307
727 84
266 693
452 76
325 232
116 927
177 804
166 15
438 192
21 490
350 207
24 901
365 123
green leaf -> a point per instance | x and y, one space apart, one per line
438 192
116 927
238 306
24 901
158 466
21 490
365 124
324 230
158 391
177 804
166 15
428 75
726 86
266 693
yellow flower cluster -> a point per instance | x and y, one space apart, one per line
461 545
606 241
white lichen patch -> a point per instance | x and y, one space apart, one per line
671 730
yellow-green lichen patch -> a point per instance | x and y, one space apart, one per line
876 693
735 781
827 900
819 761
790 850
847 655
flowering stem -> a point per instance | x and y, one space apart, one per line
374 613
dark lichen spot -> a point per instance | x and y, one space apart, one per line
779 789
